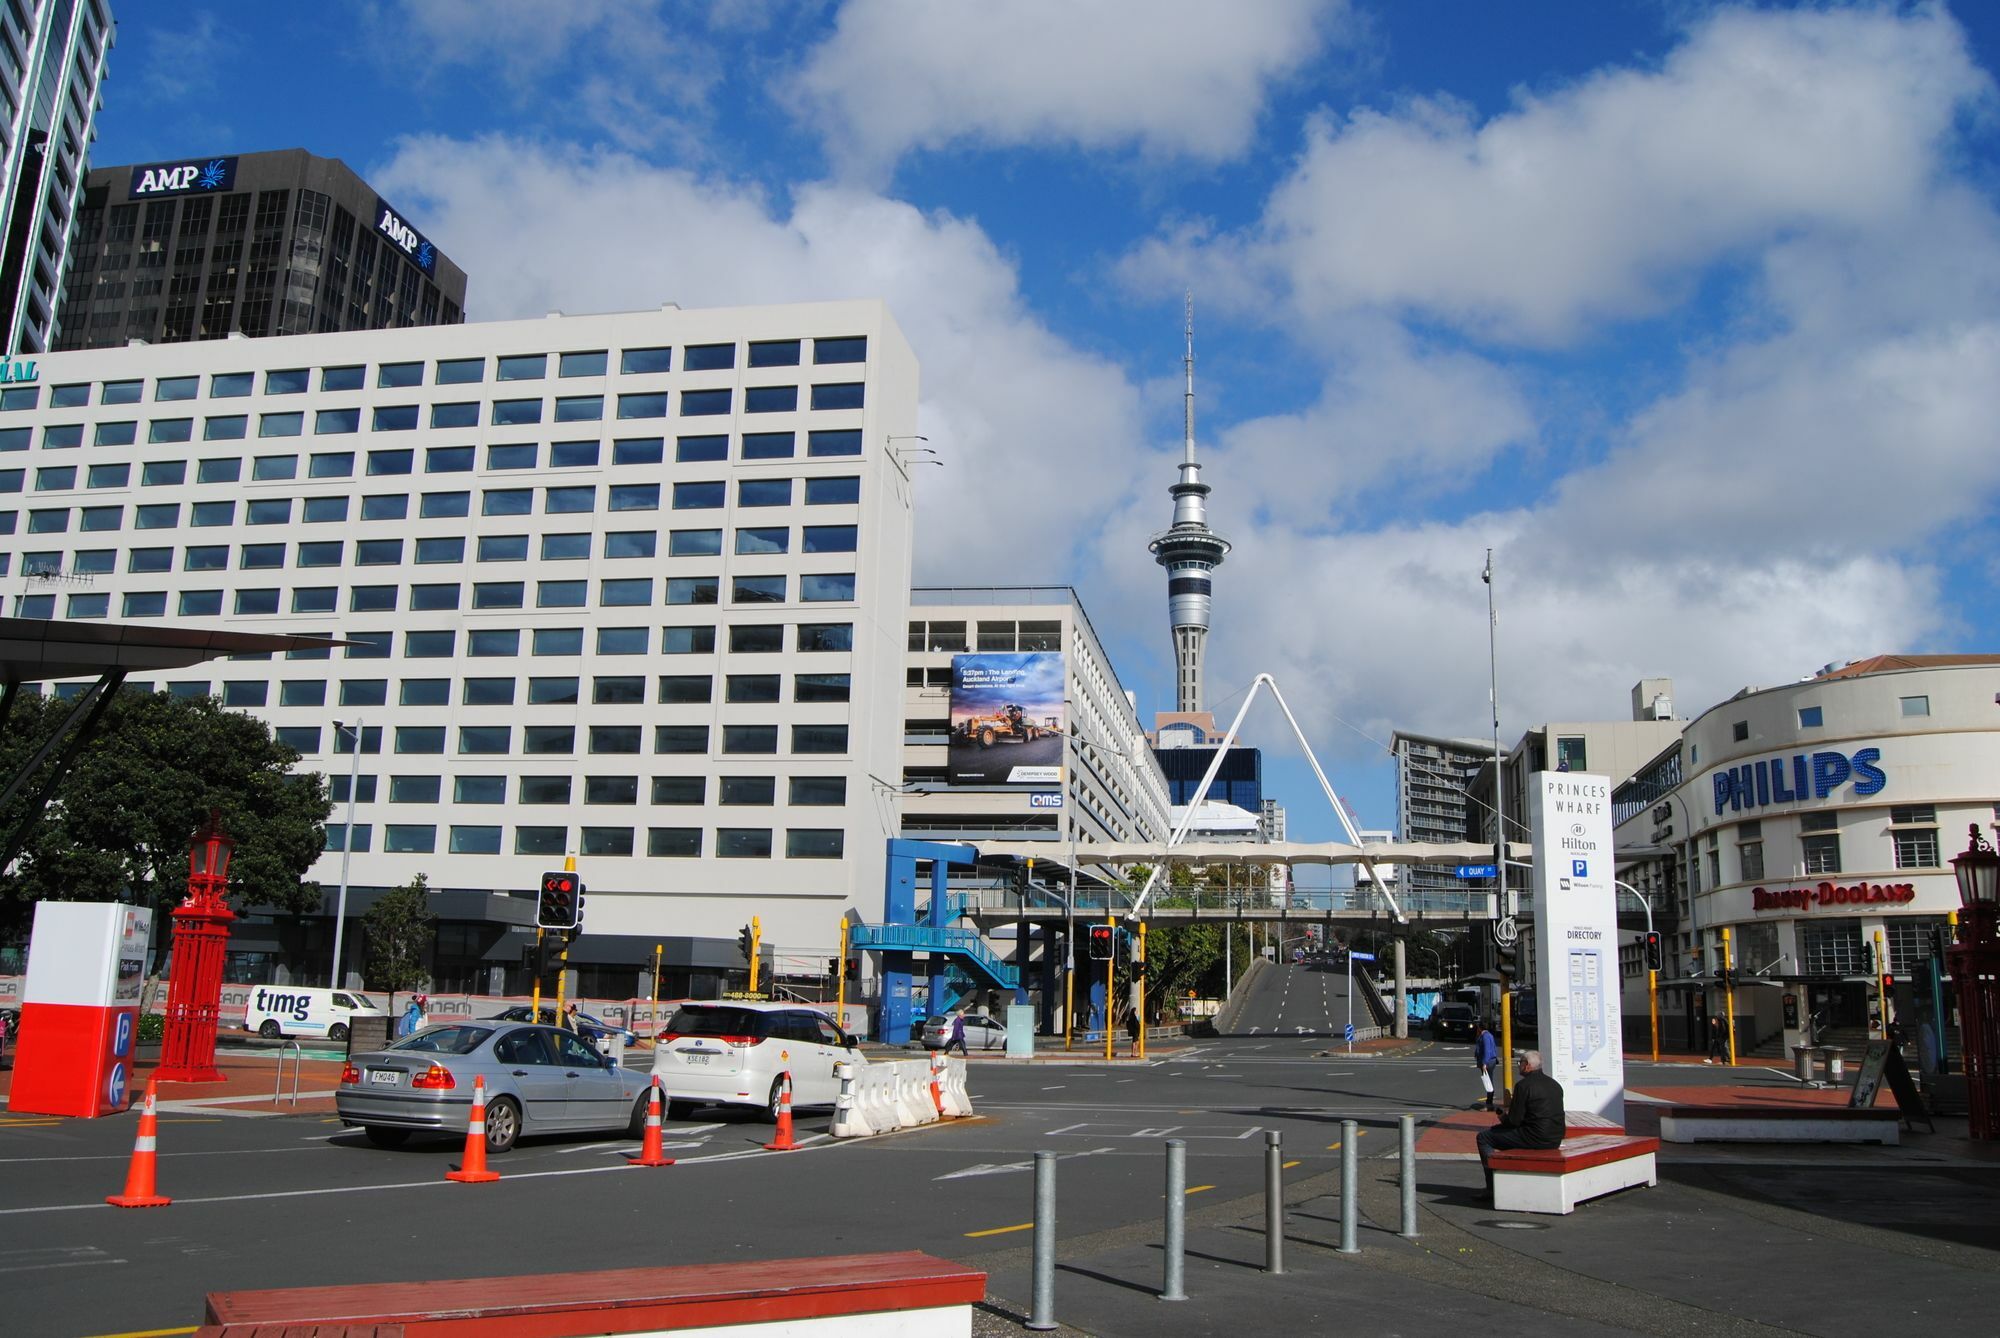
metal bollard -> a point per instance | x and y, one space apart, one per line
1172 1286
1274 1202
1350 1192
1042 1314
1408 1131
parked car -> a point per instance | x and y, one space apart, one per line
735 1053
588 1025
981 1032
1453 1022
538 1080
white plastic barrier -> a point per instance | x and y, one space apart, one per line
882 1098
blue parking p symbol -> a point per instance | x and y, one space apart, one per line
1579 868
121 1037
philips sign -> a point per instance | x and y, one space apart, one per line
414 246
1795 779
192 177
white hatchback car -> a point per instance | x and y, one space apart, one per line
734 1053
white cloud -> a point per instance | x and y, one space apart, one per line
1171 77
1607 198
1034 433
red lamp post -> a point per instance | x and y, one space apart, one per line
1975 972
201 937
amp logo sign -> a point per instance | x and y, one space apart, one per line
413 244
191 177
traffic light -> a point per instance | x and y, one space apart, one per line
746 943
832 966
1506 958
1103 942
1867 959
561 903
1888 987
538 959
1656 953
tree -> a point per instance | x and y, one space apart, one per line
117 827
399 929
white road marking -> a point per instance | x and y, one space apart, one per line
988 1168
1057 1088
60 1256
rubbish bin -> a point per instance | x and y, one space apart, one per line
1836 1066
1802 1061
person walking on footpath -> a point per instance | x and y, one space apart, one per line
956 1036
1486 1058
1718 1041
3 1038
1533 1117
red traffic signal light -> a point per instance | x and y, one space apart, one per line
1103 939
1656 956
561 902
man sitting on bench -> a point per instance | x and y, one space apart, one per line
1533 1117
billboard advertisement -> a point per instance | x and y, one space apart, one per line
1007 721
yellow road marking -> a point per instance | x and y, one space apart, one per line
990 1231
1335 1145
148 1333
1199 1188
1288 1165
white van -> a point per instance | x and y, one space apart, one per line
299 1010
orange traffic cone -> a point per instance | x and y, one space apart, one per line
474 1171
139 1176
651 1153
783 1142
937 1088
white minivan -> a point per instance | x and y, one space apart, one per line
273 1011
734 1053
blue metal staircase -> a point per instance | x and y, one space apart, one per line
967 951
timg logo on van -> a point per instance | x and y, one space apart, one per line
279 1001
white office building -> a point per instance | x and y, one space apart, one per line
631 588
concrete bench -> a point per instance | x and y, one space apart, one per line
901 1295
1555 1180
1792 1123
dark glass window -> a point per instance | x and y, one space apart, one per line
487 692
837 395
618 690
399 375
680 789
625 592
368 645
315 598
503 548
516 413
850 349
631 544
751 688
673 842
757 638
174 388
274 468
695 403
817 791
448 460
814 843
498 594
757 590
494 641
445 504
507 502
689 640
455 415
610 790
433 598
833 491
390 462
342 378
561 594
653 404
479 790
364 692
708 357
265 510
636 361
374 599
698 496
230 385
614 738
461 371
449 548
556 691
694 543
524 367
774 399
157 516
776 539
743 842
559 641
749 738
544 789
775 353
586 408
332 465
840 441
540 840
544 739
569 501
635 497
739 790
622 640
819 738
290 382
764 492
323 510
485 739
321 553
260 557
415 789
207 514
475 840
73 396
829 539
582 364
334 422
826 587
201 603
826 636
430 644
638 451
281 424
573 454
229 428
395 418
256 601
511 457
693 589
680 738
420 738
565 547
686 689
820 687
120 434
378 552
768 445
700 450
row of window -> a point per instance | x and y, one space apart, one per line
661 842
554 690
701 449
1006 635
465 414
744 639
446 372
623 592
1913 836
840 490
667 791
560 740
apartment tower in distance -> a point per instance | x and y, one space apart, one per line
1189 551
277 243
55 58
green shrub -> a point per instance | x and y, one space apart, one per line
152 1026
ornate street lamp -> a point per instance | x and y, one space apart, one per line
201 940
1975 972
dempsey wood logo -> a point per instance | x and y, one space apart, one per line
413 244
190 177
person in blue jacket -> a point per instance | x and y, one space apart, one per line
1486 1058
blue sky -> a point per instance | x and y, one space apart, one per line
1687 311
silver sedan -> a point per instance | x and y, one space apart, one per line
539 1080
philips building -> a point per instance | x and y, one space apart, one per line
257 244
629 587
52 76
1815 822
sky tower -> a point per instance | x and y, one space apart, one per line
1189 551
